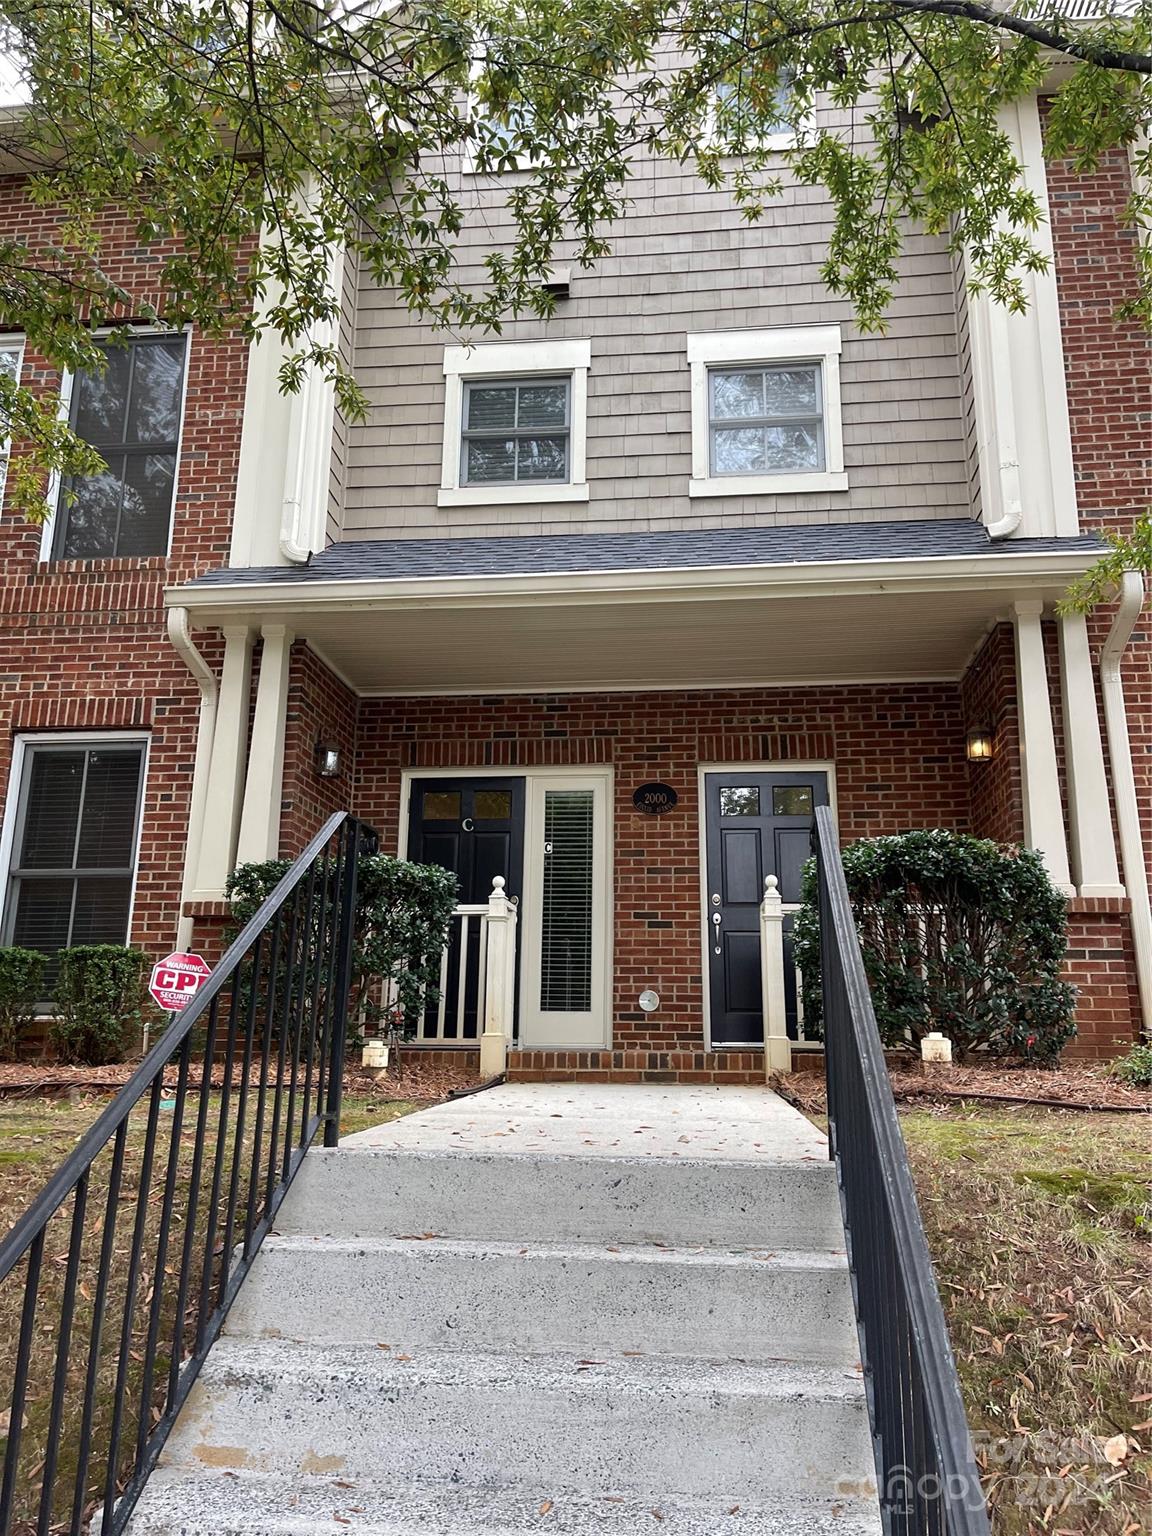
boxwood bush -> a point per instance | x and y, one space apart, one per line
99 1003
959 934
21 989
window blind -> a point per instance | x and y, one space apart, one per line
566 919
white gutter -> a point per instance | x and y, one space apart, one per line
179 633
1124 784
1004 395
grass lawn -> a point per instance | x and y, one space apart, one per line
1039 1223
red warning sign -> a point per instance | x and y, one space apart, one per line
176 980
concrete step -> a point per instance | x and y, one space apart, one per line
512 1197
448 1293
653 1427
179 1504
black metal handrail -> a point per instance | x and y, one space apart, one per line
929 1484
116 1281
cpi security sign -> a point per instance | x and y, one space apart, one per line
176 980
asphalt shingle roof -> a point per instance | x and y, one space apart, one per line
408 559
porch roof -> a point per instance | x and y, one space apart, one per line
359 560
747 607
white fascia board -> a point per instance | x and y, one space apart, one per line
492 359
791 342
1050 569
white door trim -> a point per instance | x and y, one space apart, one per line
784 765
528 928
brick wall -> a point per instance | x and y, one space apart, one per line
82 643
1109 372
320 707
899 760
988 697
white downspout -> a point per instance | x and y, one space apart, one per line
1008 456
1124 784
179 632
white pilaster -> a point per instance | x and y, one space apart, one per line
1043 812
777 1046
1094 866
264 785
226 767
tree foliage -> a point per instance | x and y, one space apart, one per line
958 934
1101 582
245 138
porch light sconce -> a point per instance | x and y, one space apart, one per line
980 744
327 759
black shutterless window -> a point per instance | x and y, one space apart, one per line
74 852
130 413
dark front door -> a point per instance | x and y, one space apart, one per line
757 824
475 828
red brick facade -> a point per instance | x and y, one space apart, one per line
83 644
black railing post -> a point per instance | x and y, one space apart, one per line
343 989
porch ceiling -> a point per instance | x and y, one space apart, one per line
751 634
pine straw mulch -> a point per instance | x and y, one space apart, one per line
411 1081
1089 1086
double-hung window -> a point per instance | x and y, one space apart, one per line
515 423
75 807
738 122
766 411
130 411
11 357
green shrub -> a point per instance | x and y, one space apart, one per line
403 914
958 934
1136 1067
21 977
99 1002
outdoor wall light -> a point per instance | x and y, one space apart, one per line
327 759
979 744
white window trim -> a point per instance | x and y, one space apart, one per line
52 495
792 344
513 360
20 746
12 341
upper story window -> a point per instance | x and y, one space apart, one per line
766 412
75 809
516 432
515 423
11 358
734 123
131 413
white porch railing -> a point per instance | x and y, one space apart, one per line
483 943
777 1044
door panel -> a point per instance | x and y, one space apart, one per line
475 828
756 824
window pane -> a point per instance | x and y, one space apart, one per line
108 824
91 520
543 405
489 461
740 800
101 399
791 392
43 911
493 804
441 805
491 407
793 448
101 915
738 451
55 781
566 916
157 380
792 800
147 510
542 458
737 394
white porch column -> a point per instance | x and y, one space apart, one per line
264 786
226 767
1043 812
1094 866
777 1046
499 983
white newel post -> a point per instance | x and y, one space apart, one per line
777 1046
499 988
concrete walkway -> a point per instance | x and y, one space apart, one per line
731 1124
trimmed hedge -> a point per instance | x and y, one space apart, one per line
21 989
958 934
99 1002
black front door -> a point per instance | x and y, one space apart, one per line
475 828
757 824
